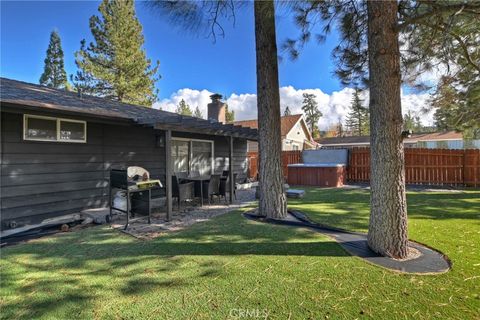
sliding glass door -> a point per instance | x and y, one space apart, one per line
180 155
202 155
192 156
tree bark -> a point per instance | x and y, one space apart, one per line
387 232
273 203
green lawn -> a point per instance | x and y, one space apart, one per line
229 265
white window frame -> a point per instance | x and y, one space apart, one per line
58 122
190 154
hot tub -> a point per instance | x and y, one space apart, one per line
317 174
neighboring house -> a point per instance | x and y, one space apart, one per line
57 148
444 140
294 131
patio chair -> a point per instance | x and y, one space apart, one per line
182 191
212 187
194 173
225 187
182 174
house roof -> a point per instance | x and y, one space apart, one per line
365 140
286 123
437 136
25 95
345 140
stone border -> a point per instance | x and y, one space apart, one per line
429 261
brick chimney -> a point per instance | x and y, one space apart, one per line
216 108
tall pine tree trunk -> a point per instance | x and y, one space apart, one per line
387 232
273 202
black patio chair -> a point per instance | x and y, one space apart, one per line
194 173
225 187
225 174
212 188
182 191
181 175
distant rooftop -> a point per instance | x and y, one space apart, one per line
286 123
365 140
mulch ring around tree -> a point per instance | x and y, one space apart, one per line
421 260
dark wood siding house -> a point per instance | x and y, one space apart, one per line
57 148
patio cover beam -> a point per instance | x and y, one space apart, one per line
168 172
230 168
191 124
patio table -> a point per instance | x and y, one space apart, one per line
201 179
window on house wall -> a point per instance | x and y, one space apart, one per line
39 128
70 130
192 155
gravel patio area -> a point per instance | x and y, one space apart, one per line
189 214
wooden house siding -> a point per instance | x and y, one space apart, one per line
46 179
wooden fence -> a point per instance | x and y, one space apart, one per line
288 157
252 165
425 166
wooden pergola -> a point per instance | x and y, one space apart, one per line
182 123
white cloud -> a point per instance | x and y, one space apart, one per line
245 105
192 97
418 105
334 106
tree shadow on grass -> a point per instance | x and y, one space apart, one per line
440 206
139 285
350 208
126 253
77 268
42 296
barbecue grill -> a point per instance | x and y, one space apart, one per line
137 185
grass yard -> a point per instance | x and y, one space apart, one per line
230 267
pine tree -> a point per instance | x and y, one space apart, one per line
310 108
412 122
287 111
409 121
456 104
229 115
184 109
198 113
339 129
369 55
316 134
54 74
195 14
115 64
358 120
273 201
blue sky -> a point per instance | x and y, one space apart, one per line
186 60
192 66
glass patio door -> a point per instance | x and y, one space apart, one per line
180 155
201 160
192 156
